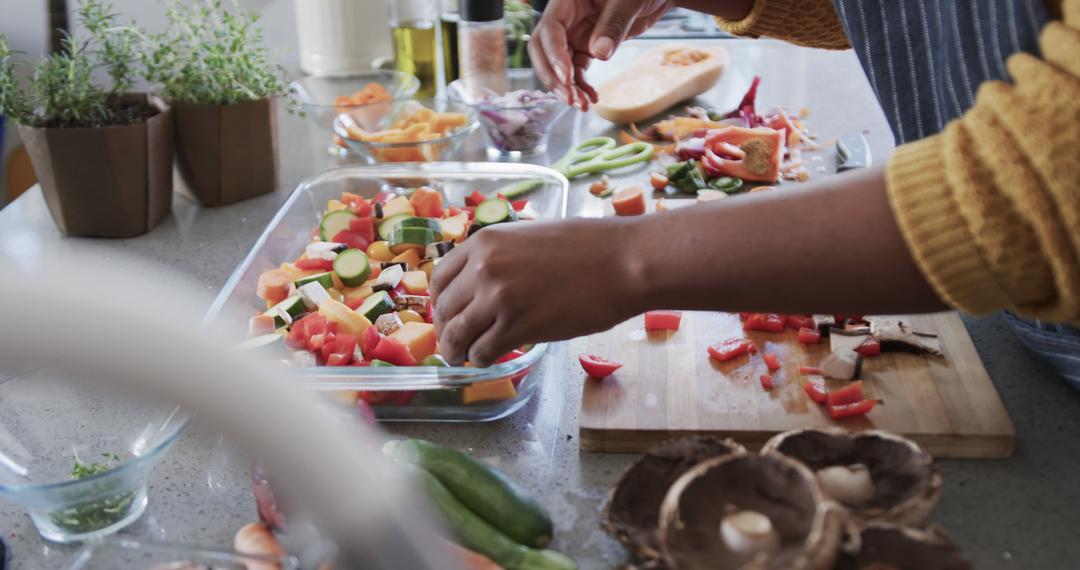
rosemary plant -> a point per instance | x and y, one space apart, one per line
63 91
211 55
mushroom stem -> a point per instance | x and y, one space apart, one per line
849 484
749 532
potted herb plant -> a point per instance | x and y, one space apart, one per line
103 155
215 73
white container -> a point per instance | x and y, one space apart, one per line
340 37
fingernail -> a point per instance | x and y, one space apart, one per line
602 47
560 72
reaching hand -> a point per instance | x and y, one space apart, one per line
525 282
573 32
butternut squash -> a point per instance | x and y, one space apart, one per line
492 390
419 337
660 78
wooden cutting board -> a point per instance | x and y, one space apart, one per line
669 387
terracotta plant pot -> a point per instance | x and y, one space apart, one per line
227 153
107 181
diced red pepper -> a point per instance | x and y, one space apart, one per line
401 398
809 336
474 199
310 264
369 340
362 208
327 347
767 382
393 351
797 322
598 367
337 359
753 349
663 320
860 408
303 329
512 355
398 291
768 322
453 211
519 205
811 370
382 197
315 342
363 227
816 391
375 397
364 412
847 395
351 239
354 302
772 362
869 347
729 349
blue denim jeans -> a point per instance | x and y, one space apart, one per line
1057 344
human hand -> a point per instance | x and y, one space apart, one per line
573 32
512 284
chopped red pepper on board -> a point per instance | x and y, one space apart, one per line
598 367
311 264
474 199
847 395
816 391
869 347
728 349
768 322
809 336
663 320
811 370
772 362
767 382
860 408
797 322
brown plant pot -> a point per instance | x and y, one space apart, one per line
227 153
107 181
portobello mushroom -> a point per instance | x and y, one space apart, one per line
896 335
842 362
761 512
632 513
883 546
876 475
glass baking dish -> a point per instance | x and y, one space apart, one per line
439 390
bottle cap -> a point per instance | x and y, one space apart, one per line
481 10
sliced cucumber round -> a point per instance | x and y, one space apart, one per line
352 267
494 211
388 225
335 222
726 184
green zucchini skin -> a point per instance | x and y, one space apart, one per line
476 534
486 491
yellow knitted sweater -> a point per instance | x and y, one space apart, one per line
990 207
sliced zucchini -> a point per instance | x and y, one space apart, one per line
287 310
387 226
377 305
335 222
325 279
419 222
494 211
412 236
434 360
378 362
352 267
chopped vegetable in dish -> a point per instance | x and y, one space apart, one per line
598 367
100 513
518 120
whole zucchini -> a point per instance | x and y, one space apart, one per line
482 488
476 534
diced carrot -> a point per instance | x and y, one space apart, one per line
847 395
501 389
629 201
410 257
418 337
274 285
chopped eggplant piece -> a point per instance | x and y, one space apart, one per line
473 229
378 210
388 323
437 250
418 303
843 363
382 287
823 323
391 275
895 335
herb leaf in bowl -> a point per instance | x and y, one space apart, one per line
94 515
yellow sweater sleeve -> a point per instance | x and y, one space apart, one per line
990 207
811 23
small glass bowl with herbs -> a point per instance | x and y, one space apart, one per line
77 457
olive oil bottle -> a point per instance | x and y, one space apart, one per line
449 24
415 52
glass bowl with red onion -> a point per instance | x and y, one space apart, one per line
517 120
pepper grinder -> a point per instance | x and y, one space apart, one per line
482 47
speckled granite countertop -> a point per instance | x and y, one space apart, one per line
1018 513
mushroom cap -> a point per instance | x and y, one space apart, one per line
809 526
887 546
632 513
907 484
